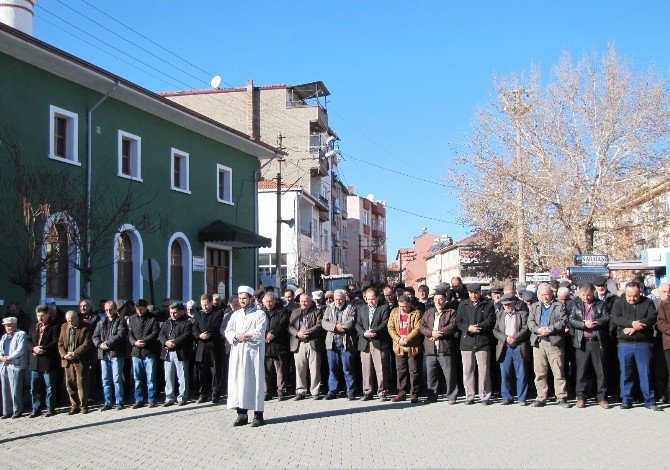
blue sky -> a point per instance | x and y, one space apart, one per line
406 77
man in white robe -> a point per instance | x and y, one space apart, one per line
245 331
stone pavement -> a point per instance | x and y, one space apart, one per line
340 434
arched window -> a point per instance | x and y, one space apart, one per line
57 261
124 256
176 271
179 262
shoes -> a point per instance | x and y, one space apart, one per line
485 402
523 403
366 397
329 396
17 415
320 396
351 397
626 406
137 405
539 403
241 420
74 411
414 398
452 402
431 398
580 404
84 410
469 402
50 413
604 405
398 397
181 403
258 420
216 398
383 397
34 414
650 407
506 402
299 396
153 404
281 397
563 403
168 403
106 407
5 416
201 399
120 407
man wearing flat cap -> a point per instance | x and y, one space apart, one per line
176 339
210 349
611 356
44 361
75 348
143 336
246 374
511 331
13 364
475 318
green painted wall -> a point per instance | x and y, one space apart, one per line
26 93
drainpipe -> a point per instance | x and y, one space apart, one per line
89 126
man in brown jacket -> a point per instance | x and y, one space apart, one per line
74 345
405 331
307 344
511 331
663 325
438 326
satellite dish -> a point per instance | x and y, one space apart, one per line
370 197
215 82
330 140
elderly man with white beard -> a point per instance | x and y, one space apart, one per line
245 332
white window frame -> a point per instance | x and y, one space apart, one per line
72 139
137 154
138 257
174 154
187 257
219 169
74 275
366 218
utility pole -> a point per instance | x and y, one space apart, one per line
280 284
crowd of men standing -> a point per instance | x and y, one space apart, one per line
345 343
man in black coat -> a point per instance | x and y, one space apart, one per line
44 361
176 339
143 336
209 350
111 340
475 319
277 354
374 343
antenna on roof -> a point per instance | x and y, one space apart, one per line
215 82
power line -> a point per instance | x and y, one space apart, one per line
394 171
425 216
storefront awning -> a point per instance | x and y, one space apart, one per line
231 235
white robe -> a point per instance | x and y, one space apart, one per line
246 371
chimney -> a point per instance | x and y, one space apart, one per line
18 14
351 190
252 111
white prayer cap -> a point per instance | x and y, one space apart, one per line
317 294
245 290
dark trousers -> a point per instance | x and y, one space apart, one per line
660 369
667 361
441 363
210 374
590 354
613 368
277 374
77 377
409 379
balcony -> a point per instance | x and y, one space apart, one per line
378 209
307 231
318 165
378 258
366 229
366 253
378 234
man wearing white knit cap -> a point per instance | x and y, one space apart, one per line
246 374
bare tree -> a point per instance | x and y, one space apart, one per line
573 154
36 196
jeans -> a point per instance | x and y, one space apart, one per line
513 364
144 372
173 367
38 381
640 354
112 373
339 359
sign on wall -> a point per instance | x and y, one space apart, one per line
199 264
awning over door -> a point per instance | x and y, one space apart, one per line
228 234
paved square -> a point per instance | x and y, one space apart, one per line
341 434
